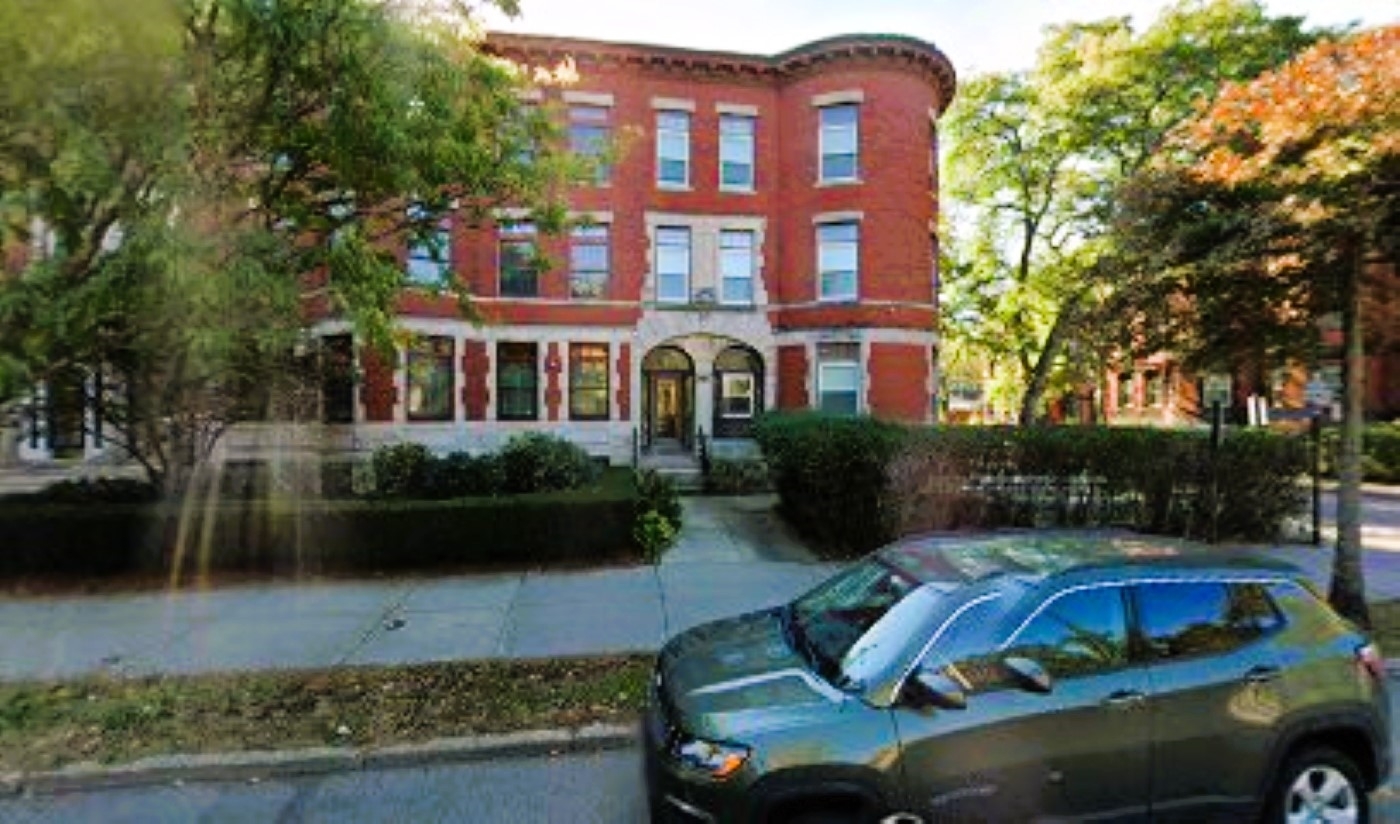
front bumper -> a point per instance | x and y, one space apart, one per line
675 795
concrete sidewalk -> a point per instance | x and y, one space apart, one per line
733 555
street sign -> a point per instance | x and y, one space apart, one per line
1216 389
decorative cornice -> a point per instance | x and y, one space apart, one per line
911 53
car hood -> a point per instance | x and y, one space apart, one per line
739 675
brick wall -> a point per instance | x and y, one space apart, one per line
792 377
899 381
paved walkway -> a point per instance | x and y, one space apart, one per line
734 555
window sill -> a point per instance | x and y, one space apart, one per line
845 181
737 190
839 301
673 187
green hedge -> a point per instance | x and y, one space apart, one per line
852 484
578 526
1380 462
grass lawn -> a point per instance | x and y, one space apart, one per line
112 720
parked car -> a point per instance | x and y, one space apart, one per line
1025 676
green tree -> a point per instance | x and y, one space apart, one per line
1037 159
1268 209
181 167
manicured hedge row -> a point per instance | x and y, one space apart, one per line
851 484
585 525
1380 462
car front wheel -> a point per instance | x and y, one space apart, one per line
1319 785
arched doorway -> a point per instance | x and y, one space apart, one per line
738 391
668 398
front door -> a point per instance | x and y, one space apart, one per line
668 406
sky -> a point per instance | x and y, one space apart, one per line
977 35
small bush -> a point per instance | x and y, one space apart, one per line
460 475
737 477
91 491
537 462
653 535
401 470
1380 459
657 493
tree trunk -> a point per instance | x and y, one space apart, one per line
1040 375
1348 591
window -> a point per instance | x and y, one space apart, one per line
588 381
338 379
1154 388
736 142
1080 633
736 265
673 149
672 265
589 134
588 262
1192 618
430 379
839 140
518 260
429 252
838 378
517 382
1125 391
736 395
838 259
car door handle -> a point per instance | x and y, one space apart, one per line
1261 675
1125 700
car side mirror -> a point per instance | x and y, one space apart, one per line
929 688
1028 674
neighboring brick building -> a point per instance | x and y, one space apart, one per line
766 239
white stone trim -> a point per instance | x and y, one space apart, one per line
591 217
678 104
530 95
510 213
705 253
588 98
741 109
836 98
848 216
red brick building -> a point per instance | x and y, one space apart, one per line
766 239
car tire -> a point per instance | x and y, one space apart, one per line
1318 776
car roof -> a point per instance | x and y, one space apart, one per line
1030 556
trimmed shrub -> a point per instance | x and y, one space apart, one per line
654 535
90 491
401 470
538 462
657 493
737 477
830 475
853 484
369 536
1380 458
461 475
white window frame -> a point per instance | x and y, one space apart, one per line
424 257
685 295
663 131
725 279
727 379
605 243
825 134
743 141
825 250
825 365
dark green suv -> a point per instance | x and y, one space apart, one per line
1025 677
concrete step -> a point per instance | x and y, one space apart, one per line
686 479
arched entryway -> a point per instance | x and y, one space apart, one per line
668 398
738 382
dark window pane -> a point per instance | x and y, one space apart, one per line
517 382
1180 620
338 379
1081 633
519 261
1252 611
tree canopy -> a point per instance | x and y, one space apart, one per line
1037 160
176 168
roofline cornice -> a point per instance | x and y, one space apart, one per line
919 55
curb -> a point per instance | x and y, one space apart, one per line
264 765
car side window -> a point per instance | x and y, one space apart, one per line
1187 619
1082 632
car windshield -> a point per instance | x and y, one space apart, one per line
826 623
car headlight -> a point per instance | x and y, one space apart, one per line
712 758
